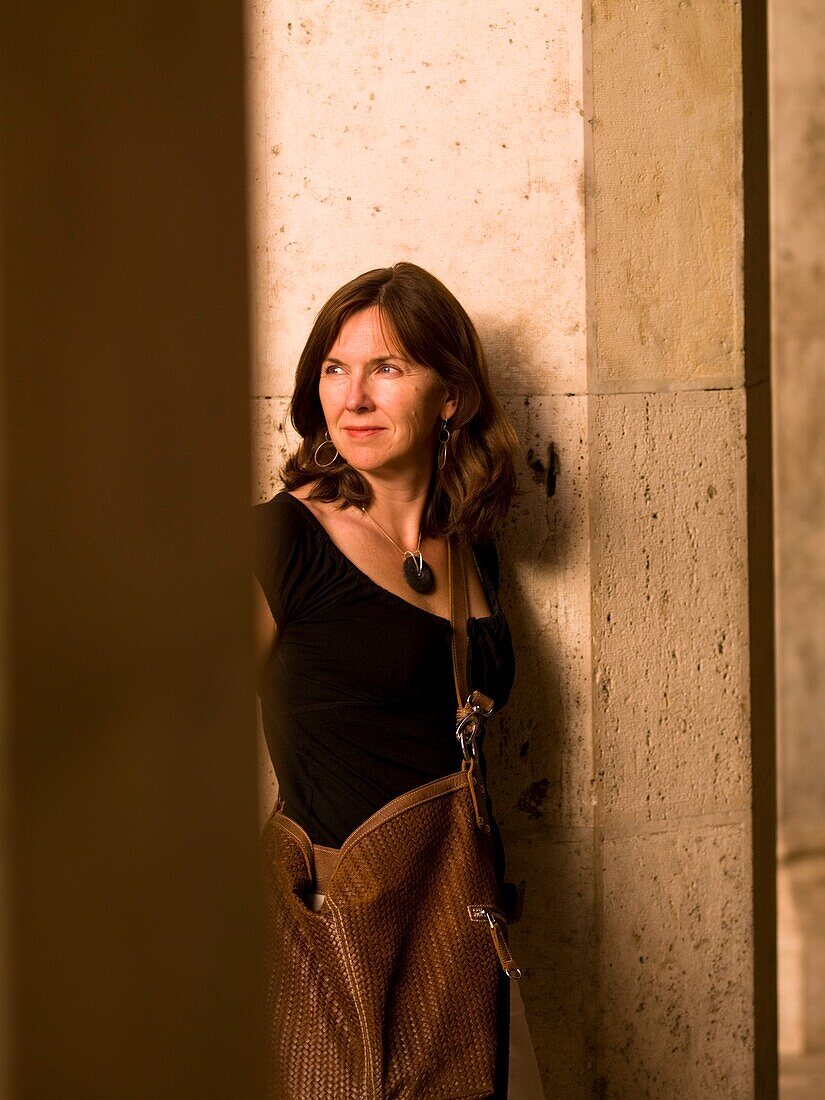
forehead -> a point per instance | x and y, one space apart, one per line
363 336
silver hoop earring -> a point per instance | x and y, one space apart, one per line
443 439
323 443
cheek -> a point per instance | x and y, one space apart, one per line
326 395
425 416
412 423
422 411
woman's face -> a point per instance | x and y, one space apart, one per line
382 410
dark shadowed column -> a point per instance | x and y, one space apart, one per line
130 824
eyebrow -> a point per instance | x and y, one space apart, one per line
370 363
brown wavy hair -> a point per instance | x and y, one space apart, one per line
474 491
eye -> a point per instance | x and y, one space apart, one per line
387 366
329 368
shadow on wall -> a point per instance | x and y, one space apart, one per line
537 748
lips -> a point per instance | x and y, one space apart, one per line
357 432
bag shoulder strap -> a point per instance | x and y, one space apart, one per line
467 700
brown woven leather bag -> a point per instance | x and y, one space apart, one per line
392 989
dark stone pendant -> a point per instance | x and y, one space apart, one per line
419 580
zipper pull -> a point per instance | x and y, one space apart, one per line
497 925
477 793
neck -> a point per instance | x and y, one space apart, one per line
399 505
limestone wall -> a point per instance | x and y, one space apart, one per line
576 178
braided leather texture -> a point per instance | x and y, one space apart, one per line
388 992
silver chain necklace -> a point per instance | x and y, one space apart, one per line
417 573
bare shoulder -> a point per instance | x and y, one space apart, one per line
303 491
319 507
328 512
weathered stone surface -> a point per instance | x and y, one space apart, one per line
442 134
669 603
540 755
666 218
676 963
275 439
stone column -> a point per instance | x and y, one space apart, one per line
798 204
584 187
680 538
130 882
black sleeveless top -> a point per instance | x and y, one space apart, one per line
357 694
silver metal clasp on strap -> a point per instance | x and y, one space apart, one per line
467 729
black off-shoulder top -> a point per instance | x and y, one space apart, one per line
357 693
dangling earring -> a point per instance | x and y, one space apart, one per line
323 443
443 439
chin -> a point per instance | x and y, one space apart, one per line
367 465
358 454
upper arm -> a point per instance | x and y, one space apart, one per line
282 555
487 558
265 625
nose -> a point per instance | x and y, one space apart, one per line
358 398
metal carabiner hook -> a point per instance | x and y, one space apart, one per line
472 722
466 731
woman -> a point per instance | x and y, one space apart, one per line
403 446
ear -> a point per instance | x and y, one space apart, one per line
450 405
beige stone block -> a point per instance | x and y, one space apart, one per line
800 541
676 966
448 135
802 950
791 967
540 752
670 604
798 168
802 1077
664 167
